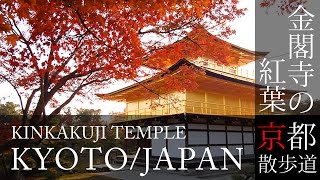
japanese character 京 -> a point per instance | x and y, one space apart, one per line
271 135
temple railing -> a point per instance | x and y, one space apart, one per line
230 71
193 107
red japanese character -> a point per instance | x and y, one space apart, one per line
271 134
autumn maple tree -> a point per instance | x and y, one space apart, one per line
61 46
66 48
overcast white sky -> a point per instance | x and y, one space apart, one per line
245 37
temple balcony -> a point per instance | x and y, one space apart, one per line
236 72
192 107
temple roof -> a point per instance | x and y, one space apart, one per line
201 43
228 78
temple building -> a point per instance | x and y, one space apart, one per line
218 113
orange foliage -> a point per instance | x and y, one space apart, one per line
177 81
198 43
64 46
287 6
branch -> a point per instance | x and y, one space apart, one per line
165 47
197 44
70 57
30 100
152 91
25 41
160 96
26 109
82 85
16 89
157 31
94 35
64 79
57 110
162 69
85 26
42 102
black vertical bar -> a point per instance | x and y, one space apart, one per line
242 138
226 129
186 140
208 135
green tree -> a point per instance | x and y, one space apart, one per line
9 108
88 117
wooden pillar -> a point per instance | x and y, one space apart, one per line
240 108
206 102
224 105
